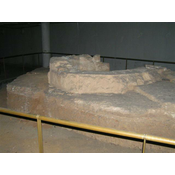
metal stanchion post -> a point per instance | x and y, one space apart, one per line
38 60
126 66
5 75
40 137
23 64
144 144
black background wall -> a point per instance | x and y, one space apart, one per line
153 41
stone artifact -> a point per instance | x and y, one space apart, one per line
82 89
86 74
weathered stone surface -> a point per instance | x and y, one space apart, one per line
104 82
131 111
26 93
85 74
79 63
170 75
162 92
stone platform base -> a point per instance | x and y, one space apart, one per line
141 110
